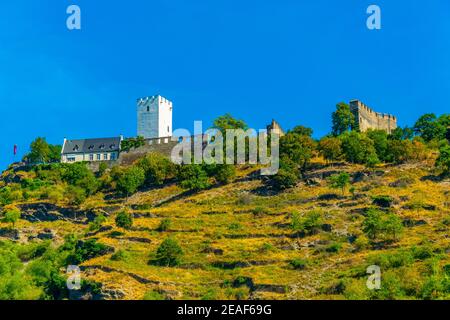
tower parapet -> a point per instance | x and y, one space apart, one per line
366 118
154 117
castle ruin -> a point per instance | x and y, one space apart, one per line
367 119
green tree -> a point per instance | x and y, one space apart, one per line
429 127
357 147
392 226
399 133
130 180
222 173
343 119
310 223
12 216
340 181
287 176
75 195
226 122
443 161
330 148
380 142
124 220
169 253
193 177
132 143
373 223
298 148
39 151
157 168
399 151
302 130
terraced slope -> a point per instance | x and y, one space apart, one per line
238 240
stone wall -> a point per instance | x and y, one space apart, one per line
367 119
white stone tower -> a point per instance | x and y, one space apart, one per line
154 117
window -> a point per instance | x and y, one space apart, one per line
91 157
105 156
148 109
99 156
168 129
70 159
113 156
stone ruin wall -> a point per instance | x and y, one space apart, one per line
369 119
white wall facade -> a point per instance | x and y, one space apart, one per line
91 157
154 117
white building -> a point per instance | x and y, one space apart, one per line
154 117
103 149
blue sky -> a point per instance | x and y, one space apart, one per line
258 60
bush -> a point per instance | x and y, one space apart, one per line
443 161
193 177
120 255
85 250
75 195
382 201
124 220
288 175
11 216
298 264
164 225
97 223
377 223
340 181
169 253
157 168
130 180
310 223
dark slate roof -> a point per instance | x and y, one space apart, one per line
92 145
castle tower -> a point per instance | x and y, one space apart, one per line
154 117
366 118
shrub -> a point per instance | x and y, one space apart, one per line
309 224
11 216
120 255
288 175
193 177
298 264
169 253
85 250
334 247
124 220
224 173
382 201
340 181
97 223
443 161
330 148
75 195
130 180
164 225
377 224
157 168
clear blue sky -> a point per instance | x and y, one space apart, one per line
258 60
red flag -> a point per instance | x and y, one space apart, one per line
15 149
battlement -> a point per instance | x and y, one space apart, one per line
366 118
151 99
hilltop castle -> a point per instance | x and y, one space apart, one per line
367 119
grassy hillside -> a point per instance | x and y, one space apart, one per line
242 240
